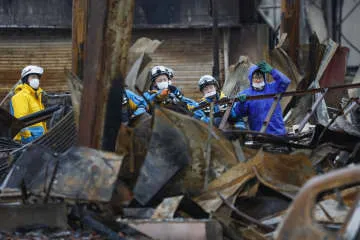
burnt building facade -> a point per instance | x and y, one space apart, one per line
39 32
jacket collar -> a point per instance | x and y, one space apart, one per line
30 90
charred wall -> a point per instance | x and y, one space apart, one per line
36 13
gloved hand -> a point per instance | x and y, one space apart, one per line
164 92
264 67
242 97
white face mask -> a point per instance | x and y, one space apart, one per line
170 82
162 85
210 94
34 83
258 85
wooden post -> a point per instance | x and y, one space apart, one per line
79 23
215 34
226 40
290 15
108 39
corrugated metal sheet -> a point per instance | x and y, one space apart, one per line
187 51
54 56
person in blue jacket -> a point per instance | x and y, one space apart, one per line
133 106
256 110
210 89
161 91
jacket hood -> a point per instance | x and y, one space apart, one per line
252 69
18 88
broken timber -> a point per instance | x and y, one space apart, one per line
104 70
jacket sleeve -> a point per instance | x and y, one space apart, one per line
176 92
137 104
199 114
191 104
281 81
19 106
240 109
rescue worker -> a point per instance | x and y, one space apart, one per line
171 75
210 89
257 110
161 91
28 100
133 107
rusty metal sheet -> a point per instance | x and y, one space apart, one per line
300 212
335 75
167 155
135 147
80 173
228 183
281 172
191 135
87 174
284 171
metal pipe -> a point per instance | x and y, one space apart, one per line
208 147
269 115
311 111
285 94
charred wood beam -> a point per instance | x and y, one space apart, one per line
79 24
109 29
290 11
215 34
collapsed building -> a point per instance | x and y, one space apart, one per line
169 176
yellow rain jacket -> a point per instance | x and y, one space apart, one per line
27 101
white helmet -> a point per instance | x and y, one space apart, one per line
207 80
157 71
31 69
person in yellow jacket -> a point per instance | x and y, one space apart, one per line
28 100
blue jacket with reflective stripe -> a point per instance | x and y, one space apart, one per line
137 104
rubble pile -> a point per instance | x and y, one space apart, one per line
173 177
